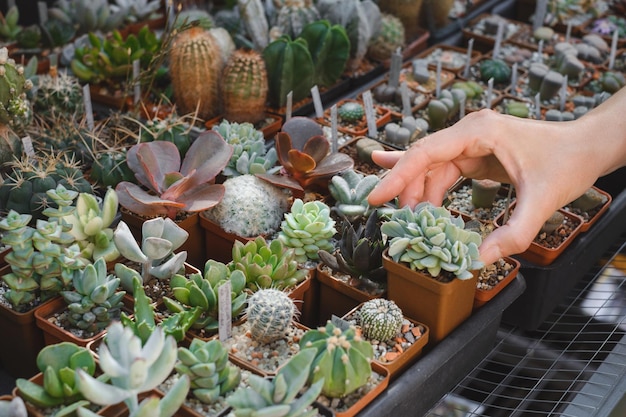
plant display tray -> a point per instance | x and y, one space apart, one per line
547 285
438 370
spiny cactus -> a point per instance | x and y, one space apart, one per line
201 290
429 238
307 228
110 168
380 319
65 133
269 313
267 265
58 363
170 129
94 300
351 112
133 368
350 190
329 47
29 178
244 87
60 95
250 207
388 40
293 16
282 395
195 60
342 360
211 374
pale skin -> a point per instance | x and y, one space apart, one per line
549 163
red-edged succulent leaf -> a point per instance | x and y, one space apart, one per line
282 181
202 197
150 161
331 165
283 146
300 129
135 199
300 162
207 155
317 147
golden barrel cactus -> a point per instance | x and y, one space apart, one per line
244 87
195 67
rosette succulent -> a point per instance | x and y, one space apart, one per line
429 238
307 228
350 190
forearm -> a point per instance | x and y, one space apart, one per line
604 128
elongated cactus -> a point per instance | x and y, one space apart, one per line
195 67
294 15
270 313
329 47
380 319
289 68
244 87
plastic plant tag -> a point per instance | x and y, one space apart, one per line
540 14
468 59
289 107
137 86
225 323
394 69
334 146
498 42
514 78
340 323
42 7
568 31
613 48
27 144
317 102
406 102
563 93
489 92
537 106
438 79
88 107
370 114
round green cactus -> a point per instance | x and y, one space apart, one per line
389 39
269 313
380 319
351 112
60 95
308 229
496 69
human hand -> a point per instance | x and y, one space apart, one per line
547 163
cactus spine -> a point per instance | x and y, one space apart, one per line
195 67
244 87
380 319
269 314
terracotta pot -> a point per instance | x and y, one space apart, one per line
194 245
19 355
219 243
269 126
430 87
406 357
337 297
483 296
53 334
440 306
309 307
543 255
588 222
299 293
100 95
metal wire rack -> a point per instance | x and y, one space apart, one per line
574 364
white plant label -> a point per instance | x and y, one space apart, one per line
137 86
317 102
289 109
613 48
225 319
540 13
88 107
394 69
334 136
370 114
27 144
468 58
406 101
42 8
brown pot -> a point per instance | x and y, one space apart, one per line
406 357
53 334
299 293
19 355
588 222
483 296
370 395
219 243
383 116
440 306
337 297
194 245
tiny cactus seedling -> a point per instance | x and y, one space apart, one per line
380 319
351 112
269 313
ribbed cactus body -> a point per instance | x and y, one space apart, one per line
390 38
195 67
244 87
269 314
58 96
380 319
292 18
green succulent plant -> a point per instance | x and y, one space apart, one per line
170 129
279 396
267 265
160 238
350 190
351 112
59 364
59 95
209 370
201 291
94 300
134 368
329 47
429 238
342 359
307 228
303 153
380 319
87 15
270 313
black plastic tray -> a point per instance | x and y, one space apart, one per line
548 285
440 368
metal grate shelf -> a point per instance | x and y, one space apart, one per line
574 364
